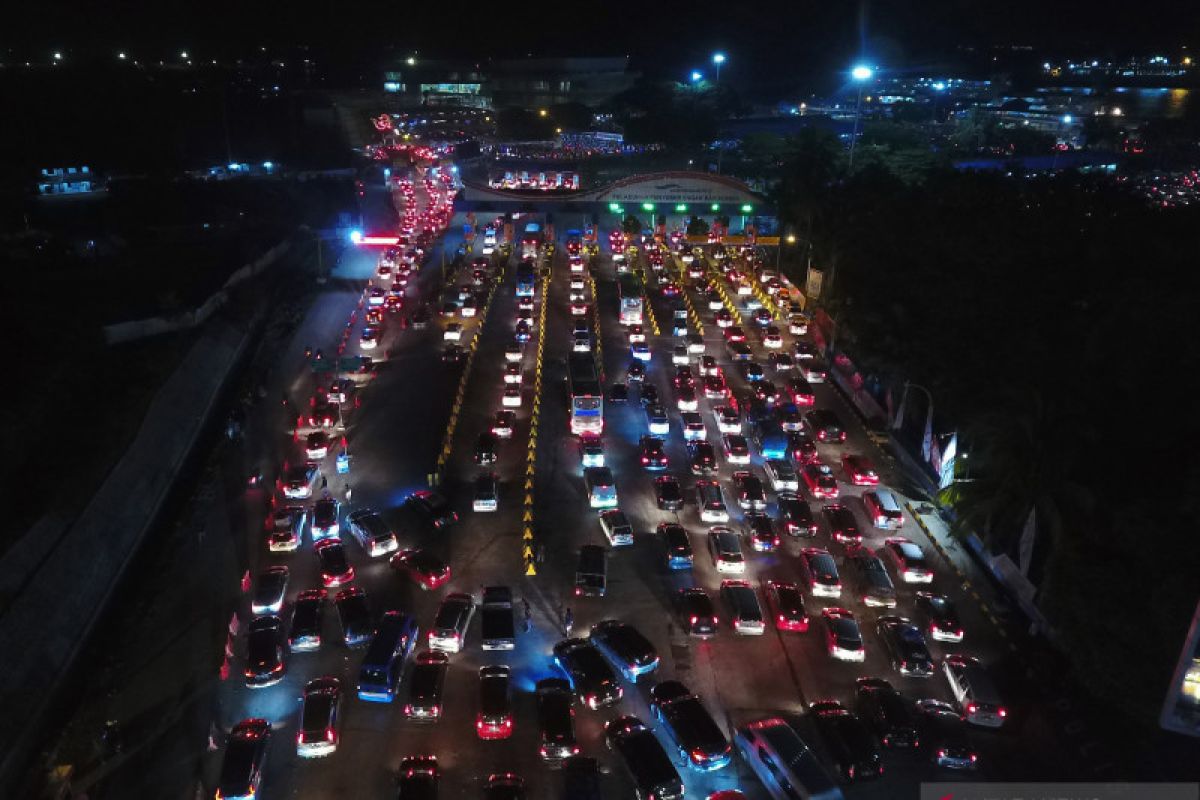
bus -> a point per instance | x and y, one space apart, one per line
526 279
630 289
531 240
587 403
383 664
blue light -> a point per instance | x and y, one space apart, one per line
454 169
940 86
356 236
235 167
718 58
696 76
862 73
268 165
1067 119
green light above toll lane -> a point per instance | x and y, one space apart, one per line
746 209
681 207
647 206
614 207
716 206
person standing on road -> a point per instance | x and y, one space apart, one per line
348 493
324 483
568 623
528 615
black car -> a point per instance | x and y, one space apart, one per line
648 764
355 615
504 786
667 493
763 537
556 720
679 546
696 734
307 614
618 393
941 620
485 448
850 744
905 645
751 370
842 525
796 516
591 676
636 371
648 394
245 752
766 392
624 645
703 457
944 735
802 448
825 425
425 685
453 354
652 453
432 507
264 652
418 778
699 616
871 578
886 713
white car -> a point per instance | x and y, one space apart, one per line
636 334
693 427
727 419
687 401
783 475
679 355
369 339
640 351
512 374
468 309
512 396
576 284
576 296
715 304
737 449
726 550
581 344
579 309
709 367
695 344
744 290
453 332
797 327
576 264
513 352
773 341
488 249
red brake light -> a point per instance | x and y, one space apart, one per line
329 734
972 708
941 753
694 618
974 758
1003 712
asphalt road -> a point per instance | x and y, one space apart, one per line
394 439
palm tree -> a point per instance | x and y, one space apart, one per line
1026 465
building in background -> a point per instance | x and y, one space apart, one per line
523 83
67 180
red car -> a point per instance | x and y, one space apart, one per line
820 481
800 392
426 569
734 333
859 470
787 602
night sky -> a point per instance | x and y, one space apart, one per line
663 37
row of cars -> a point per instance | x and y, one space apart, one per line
306 509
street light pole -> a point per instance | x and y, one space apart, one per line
860 74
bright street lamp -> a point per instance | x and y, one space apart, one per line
58 56
411 61
718 59
860 73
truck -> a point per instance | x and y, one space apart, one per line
587 403
499 631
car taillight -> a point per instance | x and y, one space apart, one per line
479 723
972 708
693 619
300 737
974 758
1003 712
408 708
578 591
941 753
436 711
329 734
698 756
507 723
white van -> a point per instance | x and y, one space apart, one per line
972 687
884 510
788 768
